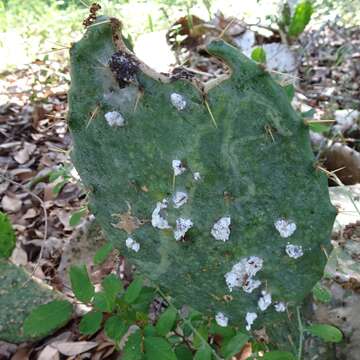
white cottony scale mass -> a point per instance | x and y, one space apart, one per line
182 226
157 218
280 306
178 167
178 101
264 301
132 244
242 274
250 318
294 251
114 118
179 199
221 319
221 229
285 227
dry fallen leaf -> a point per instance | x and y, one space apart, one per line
11 204
49 353
74 347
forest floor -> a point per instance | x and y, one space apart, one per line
37 175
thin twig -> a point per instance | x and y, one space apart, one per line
226 28
334 177
93 114
210 112
301 330
45 219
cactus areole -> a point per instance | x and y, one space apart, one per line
214 184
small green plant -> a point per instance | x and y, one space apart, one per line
187 334
294 24
24 303
62 175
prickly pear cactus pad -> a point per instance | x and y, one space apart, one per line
19 295
210 191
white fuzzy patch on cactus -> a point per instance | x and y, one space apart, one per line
242 274
114 118
182 226
285 227
264 301
250 318
179 199
221 229
280 306
221 319
132 244
294 251
196 176
157 219
178 167
178 101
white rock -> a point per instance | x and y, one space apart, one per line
179 199
250 318
132 244
182 226
285 227
280 307
178 167
242 274
157 219
264 301
114 118
294 251
221 229
178 101
221 319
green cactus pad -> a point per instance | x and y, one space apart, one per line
19 295
215 167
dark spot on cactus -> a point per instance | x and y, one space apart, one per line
181 73
94 8
124 67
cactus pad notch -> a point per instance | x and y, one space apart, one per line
229 218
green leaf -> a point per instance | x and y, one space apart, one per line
234 345
76 217
101 255
319 128
321 294
101 302
308 114
112 285
90 323
133 291
326 332
81 284
259 55
200 334
278 355
301 18
132 349
58 187
226 332
166 321
157 348
204 353
115 328
7 237
290 91
47 318
150 330
182 352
